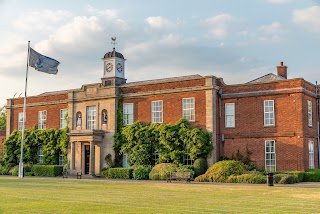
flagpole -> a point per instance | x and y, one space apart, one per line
21 175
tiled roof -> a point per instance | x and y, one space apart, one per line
266 79
171 79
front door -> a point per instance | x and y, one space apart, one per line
86 159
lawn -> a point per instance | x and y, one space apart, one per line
58 195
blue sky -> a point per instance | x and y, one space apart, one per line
236 40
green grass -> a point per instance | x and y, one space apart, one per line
58 195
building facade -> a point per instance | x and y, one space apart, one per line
2 139
273 117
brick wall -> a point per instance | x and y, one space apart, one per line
52 104
2 139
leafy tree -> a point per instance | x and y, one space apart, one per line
52 141
172 142
3 118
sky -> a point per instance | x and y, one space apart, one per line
235 40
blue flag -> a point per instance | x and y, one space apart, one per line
43 63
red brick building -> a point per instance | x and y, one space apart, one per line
273 117
2 139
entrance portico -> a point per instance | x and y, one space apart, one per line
86 151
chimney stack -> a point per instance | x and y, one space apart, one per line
282 70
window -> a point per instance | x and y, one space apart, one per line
91 117
270 152
125 161
156 109
40 155
187 160
230 115
63 119
42 120
155 157
20 120
61 158
188 109
269 113
127 113
310 113
311 155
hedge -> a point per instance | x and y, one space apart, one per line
120 173
312 175
47 170
141 172
162 171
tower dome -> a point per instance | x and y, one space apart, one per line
113 53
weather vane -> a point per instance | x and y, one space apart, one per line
114 42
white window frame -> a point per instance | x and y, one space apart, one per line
309 113
42 120
125 163
155 157
40 155
157 111
63 121
128 113
230 115
20 121
91 117
269 114
311 154
270 156
61 158
187 160
188 109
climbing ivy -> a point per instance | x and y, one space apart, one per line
172 142
52 141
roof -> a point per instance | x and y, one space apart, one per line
57 92
267 79
171 79
113 53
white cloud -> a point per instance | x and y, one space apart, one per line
308 17
158 22
279 1
271 32
108 13
45 20
218 25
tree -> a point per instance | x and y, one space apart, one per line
3 118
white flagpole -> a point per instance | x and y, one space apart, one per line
21 175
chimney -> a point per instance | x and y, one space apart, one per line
282 70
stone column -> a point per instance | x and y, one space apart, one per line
92 158
72 167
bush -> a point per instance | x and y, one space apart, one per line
162 171
47 170
200 166
14 171
312 175
120 173
247 178
300 175
220 171
186 168
141 172
285 179
104 172
29 174
201 178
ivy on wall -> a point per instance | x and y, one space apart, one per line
172 142
52 141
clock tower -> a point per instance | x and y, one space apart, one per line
113 68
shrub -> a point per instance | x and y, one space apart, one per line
27 167
47 170
14 171
247 178
300 175
29 174
312 175
120 173
141 172
104 172
200 166
285 179
220 171
186 168
201 178
162 171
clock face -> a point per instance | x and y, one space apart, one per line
119 67
109 67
